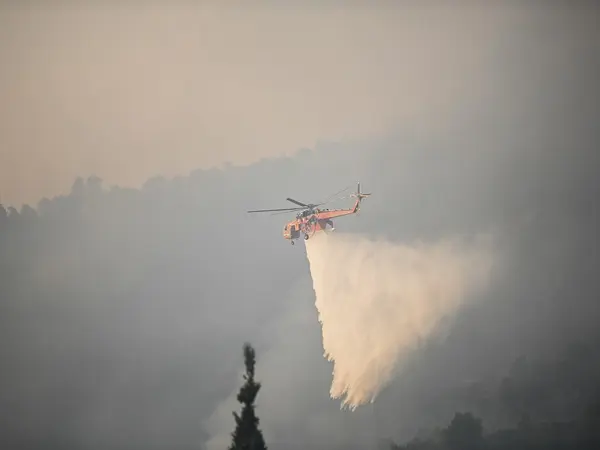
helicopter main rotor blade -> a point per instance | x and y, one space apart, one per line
286 212
278 209
296 202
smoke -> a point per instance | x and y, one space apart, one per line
378 302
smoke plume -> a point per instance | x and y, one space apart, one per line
378 301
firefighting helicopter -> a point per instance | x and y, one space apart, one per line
310 218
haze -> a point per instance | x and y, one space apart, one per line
126 92
123 310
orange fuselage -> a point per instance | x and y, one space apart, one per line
313 222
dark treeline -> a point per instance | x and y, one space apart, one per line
548 404
466 432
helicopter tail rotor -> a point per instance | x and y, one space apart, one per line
360 195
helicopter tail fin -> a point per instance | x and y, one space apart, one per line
359 196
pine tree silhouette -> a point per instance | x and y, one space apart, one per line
247 435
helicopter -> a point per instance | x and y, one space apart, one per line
310 218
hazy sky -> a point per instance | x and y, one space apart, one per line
128 92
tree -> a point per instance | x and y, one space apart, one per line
465 432
247 435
